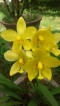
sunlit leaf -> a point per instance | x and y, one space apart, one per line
6 90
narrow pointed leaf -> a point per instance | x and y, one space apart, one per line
6 90
4 99
47 94
9 83
11 103
55 91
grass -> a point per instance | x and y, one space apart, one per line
53 21
50 16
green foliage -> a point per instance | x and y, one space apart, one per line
6 82
40 94
9 88
10 19
33 102
30 15
44 94
4 65
11 103
8 91
12 91
6 101
55 91
47 94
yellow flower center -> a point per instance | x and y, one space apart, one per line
40 65
21 61
41 38
20 40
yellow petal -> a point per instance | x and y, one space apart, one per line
23 56
51 61
46 59
29 54
9 35
27 44
46 72
29 32
40 75
57 37
56 51
40 54
21 53
11 56
30 69
21 25
21 70
15 68
16 46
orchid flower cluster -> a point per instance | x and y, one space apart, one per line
31 50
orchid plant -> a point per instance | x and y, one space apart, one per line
31 50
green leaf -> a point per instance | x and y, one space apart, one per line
4 99
47 94
55 91
32 103
9 83
11 103
8 91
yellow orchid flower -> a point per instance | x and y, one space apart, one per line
42 38
55 49
41 64
22 35
56 35
20 58
46 40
